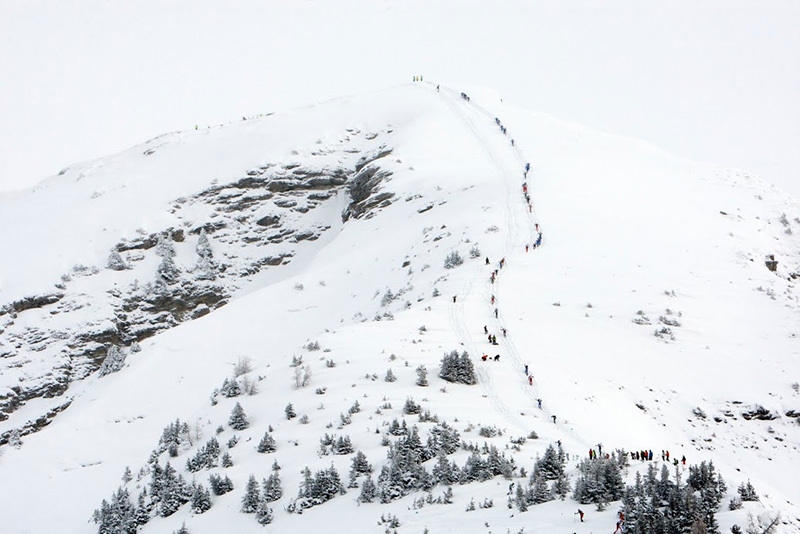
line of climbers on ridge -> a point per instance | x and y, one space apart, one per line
644 454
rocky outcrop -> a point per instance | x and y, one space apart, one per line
365 188
245 219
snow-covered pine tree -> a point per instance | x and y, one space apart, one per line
201 499
550 465
747 492
115 262
466 371
230 388
220 485
113 362
445 472
238 419
368 490
272 487
520 499
289 410
343 445
540 492
264 514
267 444
252 496
203 247
422 376
166 272
359 465
411 407
449 366
174 491
443 437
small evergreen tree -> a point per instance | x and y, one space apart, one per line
113 362
238 419
422 376
203 247
230 388
453 259
220 485
267 444
201 499
264 514
368 490
289 410
272 487
747 492
115 262
252 496
457 368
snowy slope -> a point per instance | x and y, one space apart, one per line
626 228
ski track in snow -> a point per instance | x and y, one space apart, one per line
512 244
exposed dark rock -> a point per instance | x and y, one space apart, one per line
771 263
268 220
759 413
142 311
365 160
29 303
364 184
34 426
285 203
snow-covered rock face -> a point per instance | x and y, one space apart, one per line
330 257
222 236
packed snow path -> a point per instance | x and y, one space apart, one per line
520 222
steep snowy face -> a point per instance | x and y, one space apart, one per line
112 252
332 255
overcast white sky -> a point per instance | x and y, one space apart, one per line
713 81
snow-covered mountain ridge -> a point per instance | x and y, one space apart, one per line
330 225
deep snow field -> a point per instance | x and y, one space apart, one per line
629 233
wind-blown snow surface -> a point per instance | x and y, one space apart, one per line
626 229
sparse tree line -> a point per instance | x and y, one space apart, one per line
655 503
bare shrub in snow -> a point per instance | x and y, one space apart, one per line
664 333
243 366
302 376
670 321
387 298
